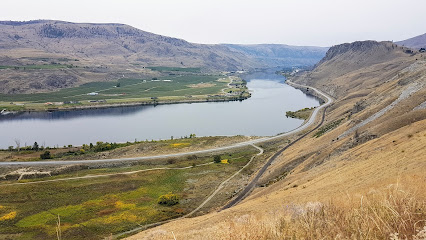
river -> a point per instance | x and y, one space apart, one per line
261 115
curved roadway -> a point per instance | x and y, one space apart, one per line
246 191
237 145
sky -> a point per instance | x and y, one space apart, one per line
293 22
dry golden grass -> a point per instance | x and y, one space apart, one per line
392 214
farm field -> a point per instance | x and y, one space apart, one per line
128 88
157 90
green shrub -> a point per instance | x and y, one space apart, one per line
168 199
46 155
216 159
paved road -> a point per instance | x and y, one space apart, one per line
233 146
246 191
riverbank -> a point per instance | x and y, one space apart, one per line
34 107
307 90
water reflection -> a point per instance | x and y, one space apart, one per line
83 113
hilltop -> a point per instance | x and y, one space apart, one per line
361 175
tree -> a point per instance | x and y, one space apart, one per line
18 144
118 85
46 155
10 148
216 159
35 146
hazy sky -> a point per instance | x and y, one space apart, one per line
294 22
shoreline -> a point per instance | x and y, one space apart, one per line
125 104
306 90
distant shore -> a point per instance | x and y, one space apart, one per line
6 112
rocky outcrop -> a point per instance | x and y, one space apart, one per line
357 48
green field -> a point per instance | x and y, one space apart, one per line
97 207
129 88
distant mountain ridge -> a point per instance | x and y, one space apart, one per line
122 44
280 54
414 42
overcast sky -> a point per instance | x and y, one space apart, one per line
294 22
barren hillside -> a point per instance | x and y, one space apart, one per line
360 176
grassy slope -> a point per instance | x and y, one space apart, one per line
338 172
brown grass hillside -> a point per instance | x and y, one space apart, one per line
362 177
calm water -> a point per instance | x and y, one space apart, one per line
261 115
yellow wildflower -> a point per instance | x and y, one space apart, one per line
8 216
